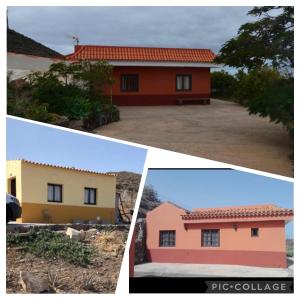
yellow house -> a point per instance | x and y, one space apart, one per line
55 194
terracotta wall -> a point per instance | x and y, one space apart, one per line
236 245
157 85
132 253
246 258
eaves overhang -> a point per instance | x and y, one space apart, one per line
241 219
123 63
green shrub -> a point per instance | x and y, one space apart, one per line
115 113
10 87
254 83
101 114
73 90
277 103
265 92
48 88
78 108
49 244
29 109
269 94
223 85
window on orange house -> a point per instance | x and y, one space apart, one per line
167 238
210 238
254 232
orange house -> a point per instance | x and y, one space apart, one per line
153 76
238 235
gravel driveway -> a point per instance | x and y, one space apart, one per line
222 131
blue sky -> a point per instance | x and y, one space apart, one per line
217 188
56 146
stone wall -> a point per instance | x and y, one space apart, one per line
140 242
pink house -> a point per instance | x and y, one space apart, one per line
238 235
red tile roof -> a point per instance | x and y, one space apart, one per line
66 168
141 54
267 210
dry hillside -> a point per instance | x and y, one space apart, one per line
127 187
149 201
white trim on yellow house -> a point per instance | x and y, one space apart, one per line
32 181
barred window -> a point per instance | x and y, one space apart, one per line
210 238
130 83
167 238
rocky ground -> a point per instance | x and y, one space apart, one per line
100 276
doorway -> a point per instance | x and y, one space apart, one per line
13 189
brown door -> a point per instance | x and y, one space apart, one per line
13 187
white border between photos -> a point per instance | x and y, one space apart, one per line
155 158
123 286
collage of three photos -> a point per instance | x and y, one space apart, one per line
85 205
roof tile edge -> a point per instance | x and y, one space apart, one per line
63 167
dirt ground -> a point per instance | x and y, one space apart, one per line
100 276
222 131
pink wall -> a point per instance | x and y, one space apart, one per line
236 246
132 253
